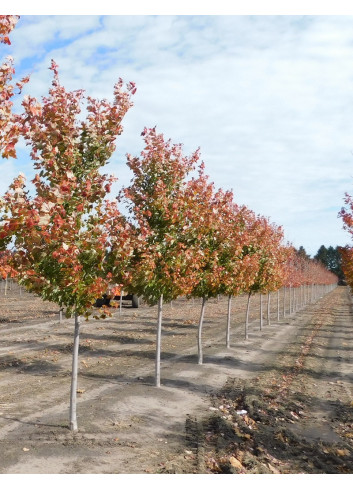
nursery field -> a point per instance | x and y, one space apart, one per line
279 402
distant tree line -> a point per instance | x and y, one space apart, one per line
330 257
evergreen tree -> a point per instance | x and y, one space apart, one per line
331 258
321 255
302 253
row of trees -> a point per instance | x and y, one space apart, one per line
68 242
346 215
331 258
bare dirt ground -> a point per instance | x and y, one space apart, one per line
280 402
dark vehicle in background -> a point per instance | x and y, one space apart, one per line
105 300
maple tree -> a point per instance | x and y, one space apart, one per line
9 122
217 242
207 235
266 271
238 258
276 272
159 268
291 276
7 24
346 214
302 272
221 247
347 263
59 236
6 270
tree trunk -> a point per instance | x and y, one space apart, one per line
268 308
294 299
261 312
228 321
247 317
199 335
158 342
120 302
284 302
73 395
278 304
290 300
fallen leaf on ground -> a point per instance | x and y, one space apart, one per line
212 464
342 452
235 463
280 437
273 469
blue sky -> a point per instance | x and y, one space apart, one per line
267 98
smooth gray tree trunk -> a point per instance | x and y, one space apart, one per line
294 300
228 321
284 302
261 312
199 335
300 296
158 342
268 308
120 302
278 305
247 317
73 395
290 300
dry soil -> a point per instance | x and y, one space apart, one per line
279 402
